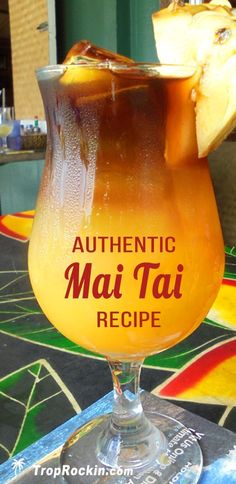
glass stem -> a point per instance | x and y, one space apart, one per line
129 439
4 142
127 407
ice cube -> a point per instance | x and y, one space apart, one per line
86 51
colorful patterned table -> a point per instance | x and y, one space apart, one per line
41 370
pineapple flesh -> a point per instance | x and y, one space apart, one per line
203 36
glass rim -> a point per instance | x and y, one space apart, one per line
150 68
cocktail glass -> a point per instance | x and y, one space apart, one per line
6 126
126 253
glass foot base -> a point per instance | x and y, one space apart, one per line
180 463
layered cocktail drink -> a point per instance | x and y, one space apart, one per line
126 253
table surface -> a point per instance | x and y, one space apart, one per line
218 446
41 370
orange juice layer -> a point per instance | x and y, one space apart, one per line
120 166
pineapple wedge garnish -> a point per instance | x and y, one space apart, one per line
205 36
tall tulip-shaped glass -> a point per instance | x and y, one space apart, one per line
126 253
